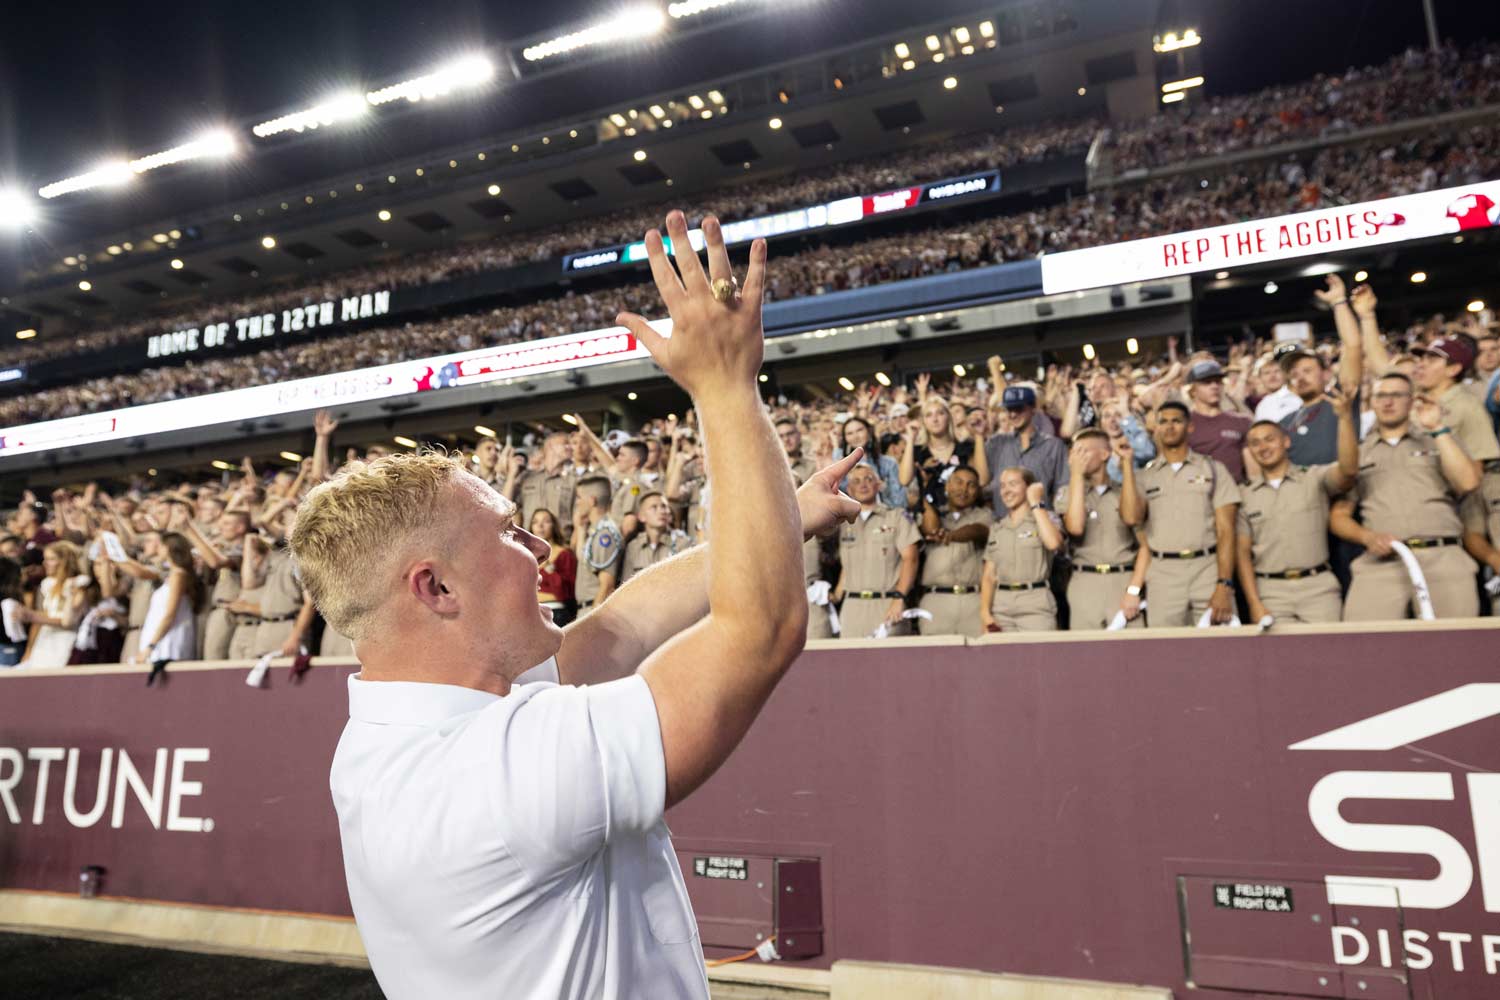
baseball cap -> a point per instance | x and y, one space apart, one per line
1205 371
615 438
1286 354
1454 350
899 410
1018 397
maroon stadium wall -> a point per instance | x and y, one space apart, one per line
1059 807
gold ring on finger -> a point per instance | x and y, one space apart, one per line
724 288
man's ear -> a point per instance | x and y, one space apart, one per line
428 583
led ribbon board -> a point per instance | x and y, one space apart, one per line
1287 237
797 220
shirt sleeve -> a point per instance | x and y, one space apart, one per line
1226 491
571 768
907 533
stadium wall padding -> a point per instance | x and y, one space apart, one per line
1055 806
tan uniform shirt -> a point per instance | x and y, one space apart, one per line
871 549
601 553
628 490
1465 414
226 586
1107 540
1401 490
956 564
1288 524
640 553
541 490
1181 502
802 469
282 594
812 561
1016 550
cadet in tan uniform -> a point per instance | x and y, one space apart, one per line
1438 375
879 556
629 481
953 557
1282 537
596 541
1187 503
244 610
657 541
791 443
1014 595
1109 557
1411 475
221 553
819 622
549 486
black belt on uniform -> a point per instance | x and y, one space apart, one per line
1185 553
949 590
1021 586
1103 567
1492 465
1429 543
871 595
276 618
1296 574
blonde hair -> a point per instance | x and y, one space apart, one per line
351 529
69 556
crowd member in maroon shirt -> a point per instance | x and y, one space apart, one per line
1215 433
558 572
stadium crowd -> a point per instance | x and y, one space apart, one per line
1177 490
1337 175
1414 85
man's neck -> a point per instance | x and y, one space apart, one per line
1207 409
595 516
654 535
1099 477
1025 433
1313 400
1394 430
870 506
1175 454
1441 389
1277 471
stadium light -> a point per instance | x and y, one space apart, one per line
883 379
902 50
844 381
1418 277
639 155
961 35
1088 352
340 108
987 29
484 431
775 123
1271 288
568 418
216 144
692 8
950 83
960 371
1171 41
269 242
404 442
1132 346
1221 275
1173 98
494 190
1477 306
638 22
85 286
932 43
16 209
631 396
26 334
462 74
221 465
291 456
111 174
1179 85
176 264
384 215
696 102
1361 275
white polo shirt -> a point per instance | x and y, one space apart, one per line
513 847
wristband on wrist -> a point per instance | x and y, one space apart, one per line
1340 302
1440 432
1224 581
1133 590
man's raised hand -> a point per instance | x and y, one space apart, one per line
822 504
714 346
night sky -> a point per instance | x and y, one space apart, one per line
81 80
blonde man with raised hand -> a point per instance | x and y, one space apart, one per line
501 782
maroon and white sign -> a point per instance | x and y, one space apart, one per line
1309 815
1326 230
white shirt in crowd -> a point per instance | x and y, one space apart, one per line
1277 405
513 847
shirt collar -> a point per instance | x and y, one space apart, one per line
419 703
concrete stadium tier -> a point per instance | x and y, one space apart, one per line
1310 812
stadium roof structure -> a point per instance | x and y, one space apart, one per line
544 150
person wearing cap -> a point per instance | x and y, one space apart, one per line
1411 472
1282 537
1313 426
1020 443
1278 399
1439 376
1218 434
1188 504
952 565
879 554
1014 591
1109 557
